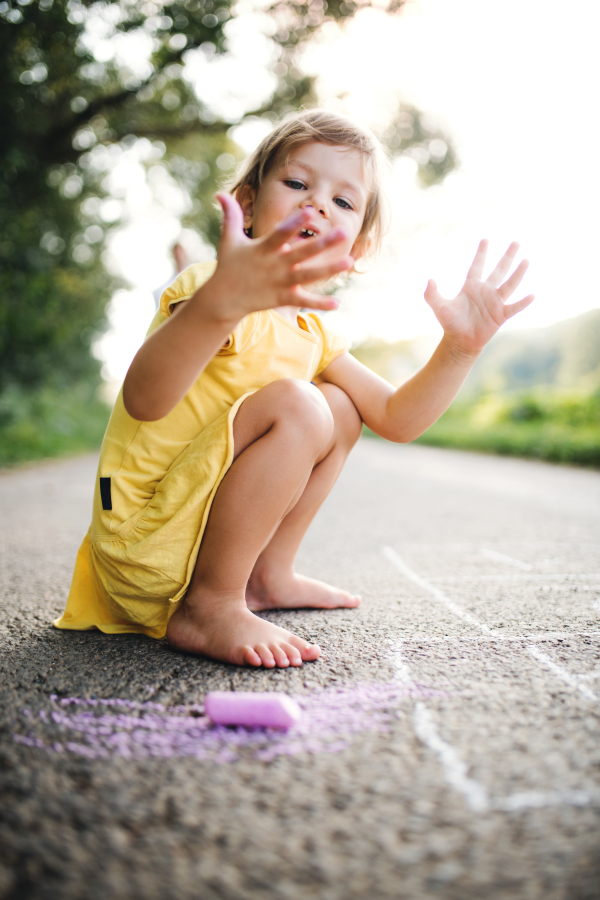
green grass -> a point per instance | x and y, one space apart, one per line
541 440
551 425
50 422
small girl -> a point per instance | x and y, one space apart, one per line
239 410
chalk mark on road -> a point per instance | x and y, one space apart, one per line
561 672
570 577
399 563
115 727
502 557
490 638
539 799
542 658
455 770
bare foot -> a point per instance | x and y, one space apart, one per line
294 592
224 628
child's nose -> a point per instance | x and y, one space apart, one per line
311 203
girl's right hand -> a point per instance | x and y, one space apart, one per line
251 275
266 272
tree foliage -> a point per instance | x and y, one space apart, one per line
70 94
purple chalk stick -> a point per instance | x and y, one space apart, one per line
252 709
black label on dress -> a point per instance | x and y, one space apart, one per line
105 493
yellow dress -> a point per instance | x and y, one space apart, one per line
157 480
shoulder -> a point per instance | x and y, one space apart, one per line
185 285
329 337
315 323
332 344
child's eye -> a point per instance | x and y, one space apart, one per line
343 203
294 184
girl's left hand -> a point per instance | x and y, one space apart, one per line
476 314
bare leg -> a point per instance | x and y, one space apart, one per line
279 433
273 582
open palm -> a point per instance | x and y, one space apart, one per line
478 311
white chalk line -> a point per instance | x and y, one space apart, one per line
588 676
537 654
485 638
502 557
403 673
561 672
569 577
539 799
399 563
456 770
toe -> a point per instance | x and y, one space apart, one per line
354 600
251 657
307 651
292 654
280 656
266 656
312 651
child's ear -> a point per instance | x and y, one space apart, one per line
359 248
246 197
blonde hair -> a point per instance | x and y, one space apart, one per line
325 128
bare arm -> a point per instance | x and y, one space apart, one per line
401 415
469 321
251 275
172 358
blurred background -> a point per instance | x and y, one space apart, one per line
120 120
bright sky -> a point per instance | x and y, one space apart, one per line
515 85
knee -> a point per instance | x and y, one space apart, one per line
347 421
303 407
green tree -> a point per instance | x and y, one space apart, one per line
68 98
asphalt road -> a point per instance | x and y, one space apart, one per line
450 744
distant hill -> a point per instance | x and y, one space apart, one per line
565 356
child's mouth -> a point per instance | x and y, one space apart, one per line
307 233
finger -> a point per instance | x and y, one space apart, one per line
512 309
476 270
512 283
233 217
504 265
310 274
286 229
311 247
432 295
300 297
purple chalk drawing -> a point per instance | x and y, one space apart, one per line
100 729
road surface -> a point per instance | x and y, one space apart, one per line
450 742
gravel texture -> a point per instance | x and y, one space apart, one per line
450 741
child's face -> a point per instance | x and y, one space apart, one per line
327 179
